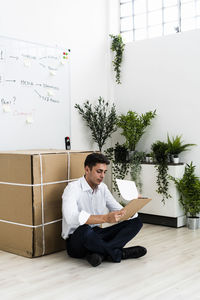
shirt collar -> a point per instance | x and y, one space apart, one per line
85 186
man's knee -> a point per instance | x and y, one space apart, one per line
84 232
136 222
139 222
89 234
82 229
75 243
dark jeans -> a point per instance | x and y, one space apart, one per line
107 241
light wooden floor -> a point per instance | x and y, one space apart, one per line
170 270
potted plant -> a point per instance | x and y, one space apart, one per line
189 189
160 151
133 127
100 119
149 157
120 164
176 146
117 46
120 153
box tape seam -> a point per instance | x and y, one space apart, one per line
42 206
38 184
68 165
30 226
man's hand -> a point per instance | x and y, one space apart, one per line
115 216
111 217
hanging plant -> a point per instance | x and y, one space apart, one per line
100 120
117 46
135 168
120 168
120 153
160 150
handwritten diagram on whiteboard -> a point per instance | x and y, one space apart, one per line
34 95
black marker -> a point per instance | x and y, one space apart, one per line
67 143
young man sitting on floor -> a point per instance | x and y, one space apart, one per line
84 205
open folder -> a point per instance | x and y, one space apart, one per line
128 191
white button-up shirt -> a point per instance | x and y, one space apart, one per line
79 201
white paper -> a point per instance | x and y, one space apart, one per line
128 189
29 120
50 93
27 63
53 73
6 108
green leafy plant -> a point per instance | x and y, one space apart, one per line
122 203
176 145
189 189
120 168
100 119
117 46
120 153
133 126
160 150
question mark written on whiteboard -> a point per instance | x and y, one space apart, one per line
14 99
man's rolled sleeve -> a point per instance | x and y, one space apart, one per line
70 209
83 217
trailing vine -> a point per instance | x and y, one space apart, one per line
119 168
162 181
117 46
160 150
135 168
119 171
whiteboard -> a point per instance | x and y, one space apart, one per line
34 95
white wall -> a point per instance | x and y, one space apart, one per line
161 74
76 24
164 74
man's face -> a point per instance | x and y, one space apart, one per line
96 175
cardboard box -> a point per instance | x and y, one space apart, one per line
31 187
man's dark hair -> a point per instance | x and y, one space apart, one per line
95 158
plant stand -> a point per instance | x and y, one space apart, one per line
170 213
155 212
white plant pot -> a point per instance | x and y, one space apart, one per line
176 160
147 159
193 223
